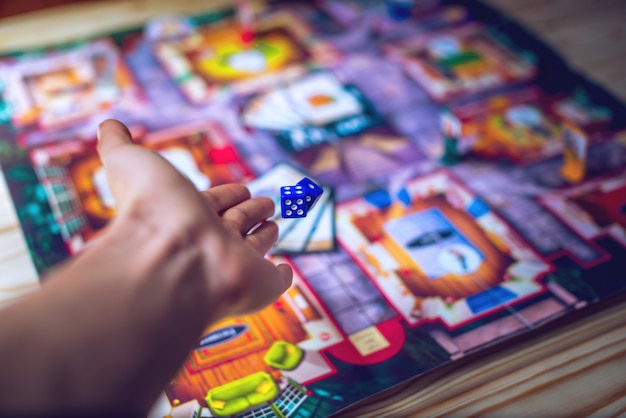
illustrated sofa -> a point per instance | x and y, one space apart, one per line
242 394
283 355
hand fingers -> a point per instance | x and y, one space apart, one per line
225 196
279 283
247 214
276 280
263 237
285 276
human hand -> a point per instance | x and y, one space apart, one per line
211 227
172 261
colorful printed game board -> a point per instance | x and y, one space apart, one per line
63 87
75 183
461 61
215 57
437 251
474 185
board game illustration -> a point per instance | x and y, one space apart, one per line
287 339
63 87
310 110
438 252
215 56
522 125
459 61
593 209
473 185
75 183
328 129
353 12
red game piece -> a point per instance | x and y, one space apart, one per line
246 20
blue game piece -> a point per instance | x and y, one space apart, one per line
379 198
399 10
404 196
478 208
312 191
293 202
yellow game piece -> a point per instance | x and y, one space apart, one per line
575 144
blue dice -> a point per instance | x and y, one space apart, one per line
293 202
312 191
296 201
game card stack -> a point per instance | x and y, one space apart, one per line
315 100
313 233
309 111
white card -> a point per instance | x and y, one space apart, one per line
322 237
296 238
322 99
269 185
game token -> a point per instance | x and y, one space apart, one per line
399 9
246 20
169 26
575 143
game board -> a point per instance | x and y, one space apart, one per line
75 183
460 61
215 57
438 252
474 185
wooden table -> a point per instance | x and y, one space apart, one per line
575 366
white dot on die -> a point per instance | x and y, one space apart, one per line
299 201
294 207
308 198
300 212
288 212
287 202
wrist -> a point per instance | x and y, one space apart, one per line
160 260
148 303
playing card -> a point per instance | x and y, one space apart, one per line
322 99
271 111
278 102
296 238
269 185
267 121
322 237
258 115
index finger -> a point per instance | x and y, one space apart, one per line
225 196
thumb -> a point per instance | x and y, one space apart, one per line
274 281
113 137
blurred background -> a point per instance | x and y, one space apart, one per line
590 35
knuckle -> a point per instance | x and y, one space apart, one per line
241 216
